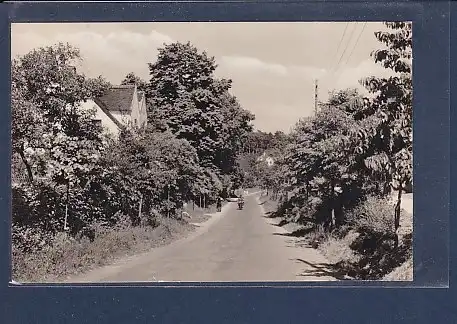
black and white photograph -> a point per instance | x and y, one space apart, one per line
211 152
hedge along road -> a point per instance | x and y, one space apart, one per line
233 245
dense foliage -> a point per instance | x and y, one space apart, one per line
335 170
190 102
55 144
257 147
259 141
68 175
354 148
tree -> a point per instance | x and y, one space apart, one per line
189 101
259 141
55 138
132 78
323 158
159 169
387 132
46 95
26 127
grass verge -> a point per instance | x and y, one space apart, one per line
363 248
68 256
383 263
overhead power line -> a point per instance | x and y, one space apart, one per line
335 56
345 49
356 42
341 40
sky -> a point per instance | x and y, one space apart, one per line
272 65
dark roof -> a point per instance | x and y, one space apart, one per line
118 98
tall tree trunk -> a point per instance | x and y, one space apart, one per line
139 208
26 163
307 190
332 201
168 201
65 227
397 212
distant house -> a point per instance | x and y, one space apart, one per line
120 107
267 159
270 161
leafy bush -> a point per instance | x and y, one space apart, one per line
65 168
29 239
338 248
317 236
375 215
64 255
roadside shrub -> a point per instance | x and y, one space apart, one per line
122 221
64 255
37 205
375 215
402 273
150 218
342 231
29 239
317 236
338 249
373 219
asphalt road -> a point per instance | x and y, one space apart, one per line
234 245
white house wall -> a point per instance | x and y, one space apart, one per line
143 113
122 117
107 124
135 113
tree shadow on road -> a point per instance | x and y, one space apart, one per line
281 223
323 270
270 215
298 233
301 243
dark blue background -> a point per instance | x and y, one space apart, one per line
432 158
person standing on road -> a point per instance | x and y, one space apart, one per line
240 202
219 203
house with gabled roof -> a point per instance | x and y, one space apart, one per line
120 107
266 158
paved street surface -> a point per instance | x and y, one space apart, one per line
234 245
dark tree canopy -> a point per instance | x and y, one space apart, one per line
188 100
49 124
259 141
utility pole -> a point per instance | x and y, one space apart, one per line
315 96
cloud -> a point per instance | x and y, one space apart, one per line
279 116
113 54
135 41
272 77
350 76
309 72
364 69
253 64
